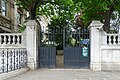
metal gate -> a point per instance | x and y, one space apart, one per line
76 48
74 43
50 38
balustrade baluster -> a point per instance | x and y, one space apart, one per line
22 39
118 39
0 39
9 39
18 39
110 40
13 39
4 40
113 39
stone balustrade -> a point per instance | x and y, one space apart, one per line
104 48
19 51
12 40
110 39
13 52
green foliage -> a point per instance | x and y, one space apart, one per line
58 11
21 27
30 6
96 9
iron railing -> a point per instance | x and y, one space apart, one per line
12 59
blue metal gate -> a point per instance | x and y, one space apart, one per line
76 48
74 43
47 57
47 47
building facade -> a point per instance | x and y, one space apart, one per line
10 16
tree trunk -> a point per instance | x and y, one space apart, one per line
33 9
32 14
106 26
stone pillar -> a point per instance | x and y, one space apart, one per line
95 34
32 44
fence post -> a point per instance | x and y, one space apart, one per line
95 34
32 43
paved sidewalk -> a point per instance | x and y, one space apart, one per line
67 74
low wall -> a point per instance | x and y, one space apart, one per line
110 59
13 54
110 51
104 48
19 51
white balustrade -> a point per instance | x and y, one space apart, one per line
12 40
4 39
0 39
18 39
110 39
9 38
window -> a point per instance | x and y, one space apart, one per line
3 6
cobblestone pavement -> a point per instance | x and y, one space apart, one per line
67 74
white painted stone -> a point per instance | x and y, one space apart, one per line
103 56
95 35
95 66
106 56
110 59
32 43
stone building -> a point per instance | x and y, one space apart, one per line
10 16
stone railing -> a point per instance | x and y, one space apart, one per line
12 59
19 51
12 40
110 39
13 52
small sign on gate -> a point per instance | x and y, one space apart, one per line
85 52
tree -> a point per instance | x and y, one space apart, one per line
58 14
99 10
29 5
32 5
90 10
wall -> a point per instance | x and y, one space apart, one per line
105 48
19 51
110 51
